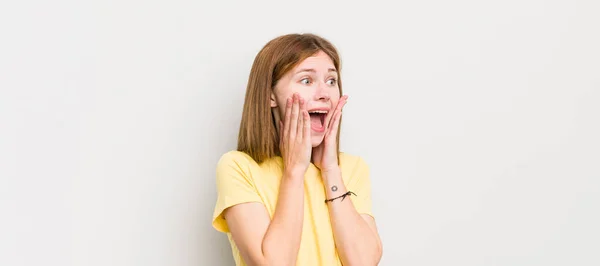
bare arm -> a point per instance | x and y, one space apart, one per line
274 243
355 235
265 242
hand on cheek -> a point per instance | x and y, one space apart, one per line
294 137
325 155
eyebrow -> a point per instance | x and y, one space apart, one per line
313 71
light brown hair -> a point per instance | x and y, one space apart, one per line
258 134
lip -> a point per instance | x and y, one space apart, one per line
319 109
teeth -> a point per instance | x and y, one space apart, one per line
318 112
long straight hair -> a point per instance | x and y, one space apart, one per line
258 135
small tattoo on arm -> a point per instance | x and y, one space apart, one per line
334 188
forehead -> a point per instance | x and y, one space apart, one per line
319 62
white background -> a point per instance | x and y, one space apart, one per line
480 121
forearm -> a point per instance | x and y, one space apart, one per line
282 239
356 242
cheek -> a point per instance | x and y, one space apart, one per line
281 108
335 96
283 92
288 92
282 95
302 91
334 92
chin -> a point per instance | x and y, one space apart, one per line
316 141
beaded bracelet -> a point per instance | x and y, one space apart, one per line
343 196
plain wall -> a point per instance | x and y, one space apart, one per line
480 121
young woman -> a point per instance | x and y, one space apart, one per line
287 196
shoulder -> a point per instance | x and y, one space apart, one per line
234 157
234 163
237 159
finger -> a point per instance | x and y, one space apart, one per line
306 135
280 131
300 129
337 110
328 118
294 118
335 125
286 121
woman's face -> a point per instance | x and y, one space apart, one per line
315 80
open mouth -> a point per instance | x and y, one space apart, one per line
317 120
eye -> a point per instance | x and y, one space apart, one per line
332 81
305 81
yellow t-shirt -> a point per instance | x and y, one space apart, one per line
240 179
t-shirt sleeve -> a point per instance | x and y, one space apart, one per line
234 186
360 184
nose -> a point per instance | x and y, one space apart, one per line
322 94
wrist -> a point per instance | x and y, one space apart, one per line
294 174
330 170
331 173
